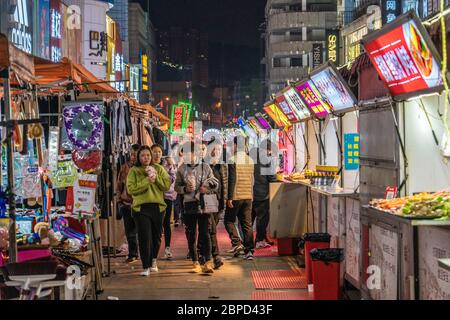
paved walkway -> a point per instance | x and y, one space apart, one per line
175 280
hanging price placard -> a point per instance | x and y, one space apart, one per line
65 174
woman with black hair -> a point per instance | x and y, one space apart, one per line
146 183
194 180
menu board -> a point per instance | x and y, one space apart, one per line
277 115
287 110
311 97
405 58
296 103
333 88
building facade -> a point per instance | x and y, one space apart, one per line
295 39
142 51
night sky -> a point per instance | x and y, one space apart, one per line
232 27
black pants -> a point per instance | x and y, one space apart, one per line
130 230
178 207
260 213
149 226
166 223
202 220
213 222
242 209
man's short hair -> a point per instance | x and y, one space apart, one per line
135 147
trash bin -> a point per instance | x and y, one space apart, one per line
326 269
312 241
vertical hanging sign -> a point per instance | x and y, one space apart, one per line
177 120
317 54
351 151
332 46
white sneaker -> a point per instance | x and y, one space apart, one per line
154 267
167 254
146 272
262 244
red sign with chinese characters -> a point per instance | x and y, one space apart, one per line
404 59
287 110
177 120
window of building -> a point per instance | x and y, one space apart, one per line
296 62
316 35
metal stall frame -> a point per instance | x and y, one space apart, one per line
407 229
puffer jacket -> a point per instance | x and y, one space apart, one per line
241 177
203 176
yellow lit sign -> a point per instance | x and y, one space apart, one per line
144 72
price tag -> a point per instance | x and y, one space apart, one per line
391 193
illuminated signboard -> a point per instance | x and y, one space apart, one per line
296 104
246 128
253 123
177 120
333 88
262 121
287 110
332 46
145 81
311 97
277 115
43 29
55 31
20 34
188 110
405 58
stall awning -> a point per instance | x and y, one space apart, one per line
21 63
154 112
51 73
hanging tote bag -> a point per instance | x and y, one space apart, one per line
209 203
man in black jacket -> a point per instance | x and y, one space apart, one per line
260 205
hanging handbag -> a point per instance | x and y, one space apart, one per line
209 203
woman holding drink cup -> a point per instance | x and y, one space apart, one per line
146 183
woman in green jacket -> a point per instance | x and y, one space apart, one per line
146 183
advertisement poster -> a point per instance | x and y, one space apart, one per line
296 104
84 193
384 255
312 99
43 43
287 110
434 281
331 86
351 151
277 115
405 60
352 239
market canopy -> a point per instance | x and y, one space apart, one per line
154 112
53 73
20 63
